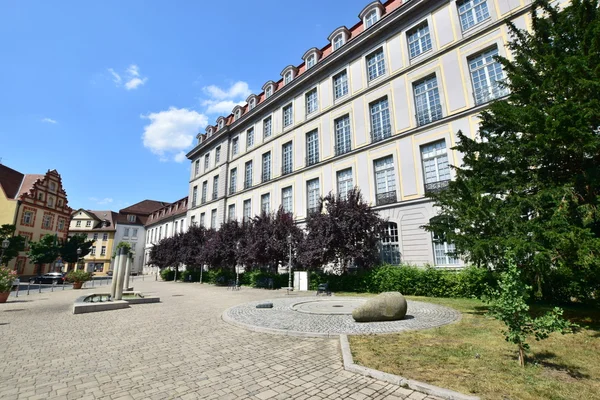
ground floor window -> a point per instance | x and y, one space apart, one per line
390 245
444 252
98 267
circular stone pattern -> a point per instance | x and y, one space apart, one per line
307 317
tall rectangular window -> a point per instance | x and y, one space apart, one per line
472 12
486 75
206 161
342 135
312 102
340 84
419 40
217 155
312 191
204 190
436 169
248 176
444 252
375 64
265 203
344 182
134 233
231 212
338 42
176 225
385 181
104 237
427 100
267 127
233 181
196 167
93 253
126 232
194 196
390 245
266 167
202 219
380 120
371 18
215 191
103 251
250 138
312 147
234 146
286 199
287 115
213 219
247 210
286 162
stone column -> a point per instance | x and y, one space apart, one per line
127 272
121 274
113 285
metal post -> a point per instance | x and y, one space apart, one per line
28 287
17 292
289 240
40 287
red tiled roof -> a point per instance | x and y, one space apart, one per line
28 182
10 181
144 207
177 207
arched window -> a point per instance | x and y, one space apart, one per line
390 245
310 61
252 103
288 77
221 124
338 41
371 18
269 91
238 114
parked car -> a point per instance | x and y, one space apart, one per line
50 277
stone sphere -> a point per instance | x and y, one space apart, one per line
387 306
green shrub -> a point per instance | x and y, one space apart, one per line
167 274
78 276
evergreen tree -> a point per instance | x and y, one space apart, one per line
531 181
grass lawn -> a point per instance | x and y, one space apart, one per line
471 356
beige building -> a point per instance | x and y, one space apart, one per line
37 205
378 107
100 227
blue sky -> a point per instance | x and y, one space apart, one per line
112 93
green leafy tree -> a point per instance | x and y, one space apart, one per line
45 251
16 243
68 250
125 245
531 182
509 305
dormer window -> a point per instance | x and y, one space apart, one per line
269 91
238 114
339 37
371 14
311 57
269 88
288 78
311 61
289 73
209 132
252 103
221 122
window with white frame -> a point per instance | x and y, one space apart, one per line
311 61
338 41
380 120
176 224
472 12
234 146
371 18
204 191
134 233
95 237
250 138
312 147
93 253
269 91
286 199
486 76
287 115
231 212
267 127
104 237
248 175
252 103
215 191
217 155
233 181
342 135
103 251
345 182
390 245
238 114
312 191
197 167
312 102
126 232
213 219
288 77
436 169
340 84
202 219
375 64
444 252
419 40
266 167
265 203
286 164
206 161
194 196
47 222
385 181
88 224
28 219
247 210
427 100
221 124
166 230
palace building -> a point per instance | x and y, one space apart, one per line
377 107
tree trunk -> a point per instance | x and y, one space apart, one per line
521 356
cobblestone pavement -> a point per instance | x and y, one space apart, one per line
177 349
284 317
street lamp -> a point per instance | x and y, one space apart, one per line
78 258
5 244
289 242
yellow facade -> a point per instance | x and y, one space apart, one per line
98 226
8 209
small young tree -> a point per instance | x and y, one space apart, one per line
509 305
68 250
16 243
45 251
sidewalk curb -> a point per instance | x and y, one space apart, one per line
395 379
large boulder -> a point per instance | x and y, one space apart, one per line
387 306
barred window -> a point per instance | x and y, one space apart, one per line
390 245
312 189
427 100
342 135
380 120
265 203
286 199
345 182
286 167
312 147
435 162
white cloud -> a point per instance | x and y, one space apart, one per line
133 83
106 200
221 101
116 77
172 131
132 77
49 120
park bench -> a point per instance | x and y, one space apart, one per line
323 288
